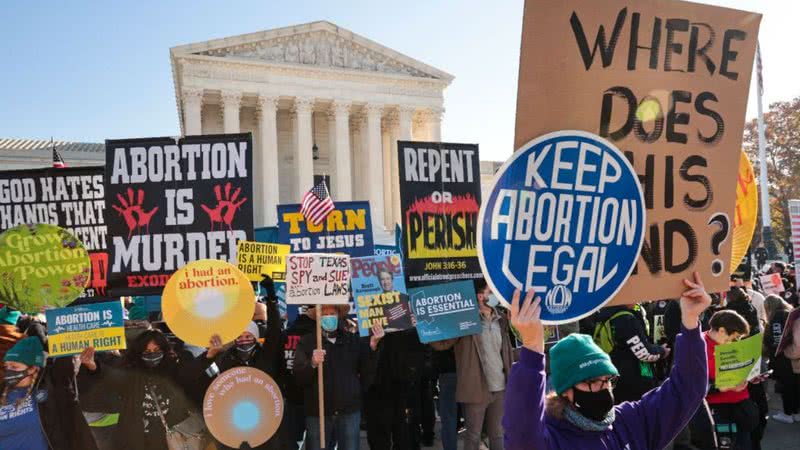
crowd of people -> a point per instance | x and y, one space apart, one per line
627 377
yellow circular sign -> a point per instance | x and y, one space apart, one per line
745 215
208 297
243 405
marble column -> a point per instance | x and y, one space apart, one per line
267 178
392 184
192 111
405 116
387 168
303 156
342 178
374 156
231 101
435 124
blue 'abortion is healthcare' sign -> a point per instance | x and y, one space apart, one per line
565 217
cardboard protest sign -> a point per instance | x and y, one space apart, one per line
737 362
41 265
772 284
72 198
71 330
379 293
659 329
317 278
564 217
243 405
208 297
666 82
445 311
786 337
440 194
347 229
745 215
171 202
256 259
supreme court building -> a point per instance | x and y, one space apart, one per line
320 101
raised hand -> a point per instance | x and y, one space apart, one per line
377 334
694 301
87 359
226 207
526 319
131 209
214 346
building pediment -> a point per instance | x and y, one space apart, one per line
317 44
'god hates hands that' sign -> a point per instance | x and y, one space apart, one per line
317 278
565 217
347 229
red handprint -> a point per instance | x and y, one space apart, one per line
132 211
226 206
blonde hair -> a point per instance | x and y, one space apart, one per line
773 304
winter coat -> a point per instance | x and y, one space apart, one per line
650 423
302 326
792 351
348 370
131 383
748 311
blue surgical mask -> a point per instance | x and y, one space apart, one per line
492 301
329 323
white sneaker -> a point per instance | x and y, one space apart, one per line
783 418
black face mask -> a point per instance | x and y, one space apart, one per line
13 377
593 405
243 351
152 359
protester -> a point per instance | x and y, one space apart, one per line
792 352
9 333
730 405
39 404
756 299
778 310
581 413
622 328
483 363
149 373
348 367
294 416
444 363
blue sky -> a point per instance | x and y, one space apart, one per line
91 70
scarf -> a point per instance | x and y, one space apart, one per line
575 418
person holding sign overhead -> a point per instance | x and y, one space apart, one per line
580 414
349 368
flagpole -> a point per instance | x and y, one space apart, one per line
766 217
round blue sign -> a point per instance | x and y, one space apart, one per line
566 218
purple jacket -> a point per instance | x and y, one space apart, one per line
648 424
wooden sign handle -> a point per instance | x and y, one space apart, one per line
320 383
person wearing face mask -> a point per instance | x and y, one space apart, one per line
580 414
147 374
39 404
483 363
349 368
9 333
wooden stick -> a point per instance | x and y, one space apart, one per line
320 382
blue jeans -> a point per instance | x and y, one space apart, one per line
448 410
342 431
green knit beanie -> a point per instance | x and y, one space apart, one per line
9 316
577 358
28 351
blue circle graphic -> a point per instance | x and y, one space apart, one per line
565 217
245 415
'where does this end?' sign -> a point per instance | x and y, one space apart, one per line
317 279
666 82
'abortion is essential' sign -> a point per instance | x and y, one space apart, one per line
565 217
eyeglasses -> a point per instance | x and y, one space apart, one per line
598 384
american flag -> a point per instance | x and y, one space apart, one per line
759 78
58 161
317 204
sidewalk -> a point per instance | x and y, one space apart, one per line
779 436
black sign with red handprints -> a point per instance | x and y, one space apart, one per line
72 198
170 202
